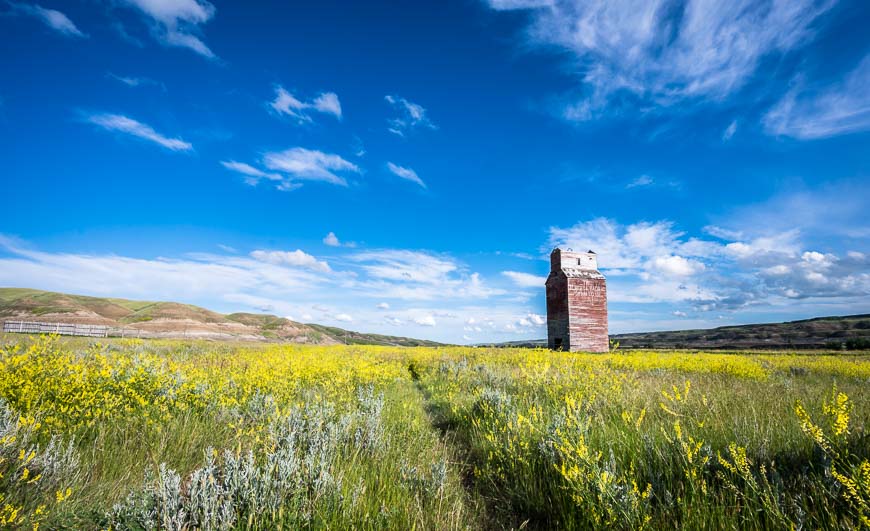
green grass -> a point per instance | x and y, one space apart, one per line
11 294
446 438
756 415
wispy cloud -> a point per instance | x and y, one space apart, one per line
310 165
428 294
663 52
287 103
729 131
297 258
643 180
126 125
508 5
411 116
406 173
177 22
168 279
832 212
332 241
416 275
426 320
525 280
834 110
252 174
291 166
50 17
136 81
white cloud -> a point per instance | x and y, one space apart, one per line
655 263
383 306
175 22
426 320
406 266
50 17
678 313
343 317
676 266
834 210
252 174
287 103
537 320
815 257
777 270
297 258
284 284
359 149
783 242
328 103
331 240
729 131
310 165
643 180
508 5
835 110
135 81
725 234
664 52
416 275
411 116
123 124
629 246
406 173
192 278
525 280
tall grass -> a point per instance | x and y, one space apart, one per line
181 435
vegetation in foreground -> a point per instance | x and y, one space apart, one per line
177 435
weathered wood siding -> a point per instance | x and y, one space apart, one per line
576 303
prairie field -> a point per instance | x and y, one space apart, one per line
129 434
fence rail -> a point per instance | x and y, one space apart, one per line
64 329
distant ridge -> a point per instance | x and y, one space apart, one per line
836 332
176 320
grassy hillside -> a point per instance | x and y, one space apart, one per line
350 337
172 319
850 332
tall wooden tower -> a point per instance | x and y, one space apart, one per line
576 303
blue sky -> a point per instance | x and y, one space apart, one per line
405 168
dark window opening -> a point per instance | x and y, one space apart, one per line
557 343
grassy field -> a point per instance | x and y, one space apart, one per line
180 435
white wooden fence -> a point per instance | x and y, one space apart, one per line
64 329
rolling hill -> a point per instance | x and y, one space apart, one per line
850 332
175 320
